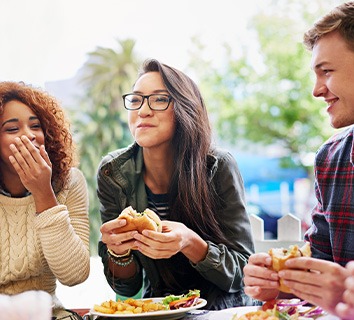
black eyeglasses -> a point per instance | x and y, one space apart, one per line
157 102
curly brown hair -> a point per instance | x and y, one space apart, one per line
56 128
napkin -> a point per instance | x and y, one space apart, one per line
29 305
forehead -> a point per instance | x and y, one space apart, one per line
330 48
15 108
150 81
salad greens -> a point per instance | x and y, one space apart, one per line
167 300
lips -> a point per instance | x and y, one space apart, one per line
144 125
330 102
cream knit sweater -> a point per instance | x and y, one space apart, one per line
38 249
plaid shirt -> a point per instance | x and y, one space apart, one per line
332 231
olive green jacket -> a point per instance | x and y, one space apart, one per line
220 274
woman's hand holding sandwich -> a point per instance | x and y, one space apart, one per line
175 237
118 234
116 240
154 238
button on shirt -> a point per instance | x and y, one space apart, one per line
332 232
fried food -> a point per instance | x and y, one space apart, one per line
128 306
257 315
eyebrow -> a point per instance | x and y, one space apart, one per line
17 120
320 65
155 91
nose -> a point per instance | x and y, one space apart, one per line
319 89
145 109
29 134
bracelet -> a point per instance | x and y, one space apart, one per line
120 260
119 256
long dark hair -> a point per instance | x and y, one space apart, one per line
193 199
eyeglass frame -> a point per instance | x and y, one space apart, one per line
147 97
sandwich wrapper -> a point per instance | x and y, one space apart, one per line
28 305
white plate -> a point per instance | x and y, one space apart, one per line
165 314
239 311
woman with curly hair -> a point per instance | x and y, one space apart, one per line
196 189
43 197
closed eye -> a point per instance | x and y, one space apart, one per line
327 71
36 126
12 129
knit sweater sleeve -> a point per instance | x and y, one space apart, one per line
64 233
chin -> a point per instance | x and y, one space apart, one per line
341 124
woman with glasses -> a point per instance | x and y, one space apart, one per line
43 197
197 190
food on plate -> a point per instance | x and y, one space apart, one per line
281 255
292 309
256 315
135 306
140 221
182 301
128 306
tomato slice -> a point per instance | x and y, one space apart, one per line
269 305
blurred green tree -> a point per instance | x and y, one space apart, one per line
264 94
101 126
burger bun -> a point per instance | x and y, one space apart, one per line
281 255
146 220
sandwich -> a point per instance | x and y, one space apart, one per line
280 256
146 220
182 301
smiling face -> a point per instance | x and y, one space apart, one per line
333 64
151 128
17 120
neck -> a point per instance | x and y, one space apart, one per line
13 184
158 169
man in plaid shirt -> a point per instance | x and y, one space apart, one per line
320 279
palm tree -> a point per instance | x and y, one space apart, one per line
102 127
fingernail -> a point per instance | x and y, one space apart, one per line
122 222
274 276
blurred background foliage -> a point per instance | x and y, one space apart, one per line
261 95
102 126
266 98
